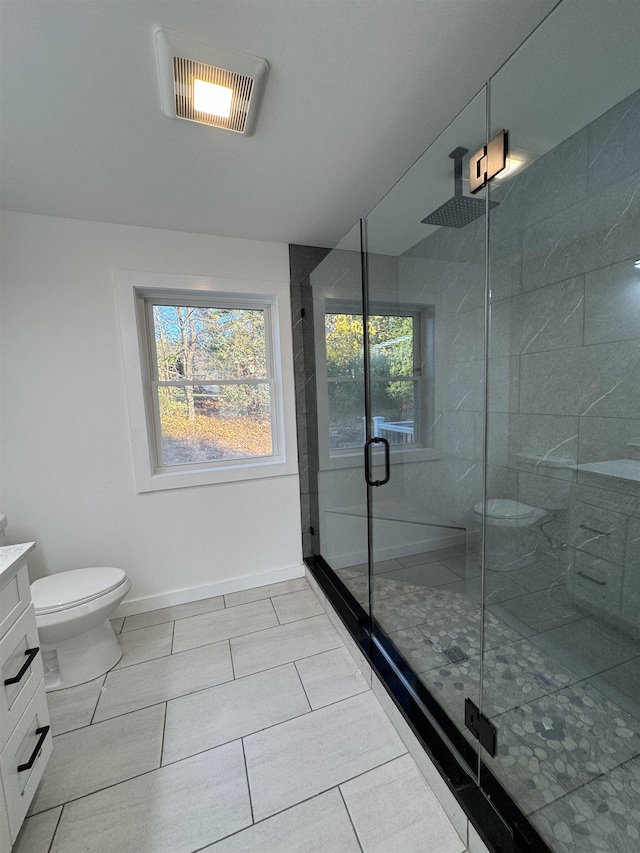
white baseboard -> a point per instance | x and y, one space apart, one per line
196 593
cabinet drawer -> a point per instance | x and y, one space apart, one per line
597 584
29 748
19 648
598 531
15 596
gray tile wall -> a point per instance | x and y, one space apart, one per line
447 271
302 261
564 353
566 313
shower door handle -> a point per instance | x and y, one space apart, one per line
367 461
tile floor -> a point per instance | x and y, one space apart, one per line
561 686
239 724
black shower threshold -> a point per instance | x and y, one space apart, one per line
501 824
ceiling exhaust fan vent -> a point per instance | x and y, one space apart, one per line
207 85
240 88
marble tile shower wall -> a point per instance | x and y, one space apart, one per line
565 341
564 358
302 261
447 271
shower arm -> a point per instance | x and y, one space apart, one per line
457 155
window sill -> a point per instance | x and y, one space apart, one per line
231 473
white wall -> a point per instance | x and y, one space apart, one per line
67 473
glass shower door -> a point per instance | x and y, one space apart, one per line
425 273
562 682
339 371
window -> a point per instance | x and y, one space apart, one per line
211 381
397 374
204 381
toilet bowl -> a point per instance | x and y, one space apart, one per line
72 614
510 535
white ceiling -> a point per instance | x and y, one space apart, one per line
357 90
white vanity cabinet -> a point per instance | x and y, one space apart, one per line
25 735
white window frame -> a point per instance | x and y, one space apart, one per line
346 457
135 292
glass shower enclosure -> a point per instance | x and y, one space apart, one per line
477 372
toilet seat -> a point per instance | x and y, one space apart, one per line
70 589
505 508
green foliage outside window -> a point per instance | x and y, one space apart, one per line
391 344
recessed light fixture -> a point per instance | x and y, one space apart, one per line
637 264
207 85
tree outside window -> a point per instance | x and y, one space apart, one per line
212 383
394 343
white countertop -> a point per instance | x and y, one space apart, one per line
12 555
621 469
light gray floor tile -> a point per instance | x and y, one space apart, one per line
426 646
319 825
393 808
155 681
291 762
622 685
245 596
223 624
600 816
436 782
283 644
626 678
385 566
586 646
169 614
97 756
73 707
467 566
145 644
419 607
176 809
359 568
526 770
230 711
315 586
584 733
37 832
330 677
497 587
297 605
117 624
430 556
350 644
539 611
429 574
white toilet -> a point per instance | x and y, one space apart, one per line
511 539
72 615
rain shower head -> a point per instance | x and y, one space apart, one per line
460 210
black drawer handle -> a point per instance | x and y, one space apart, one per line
43 732
30 653
589 578
595 530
